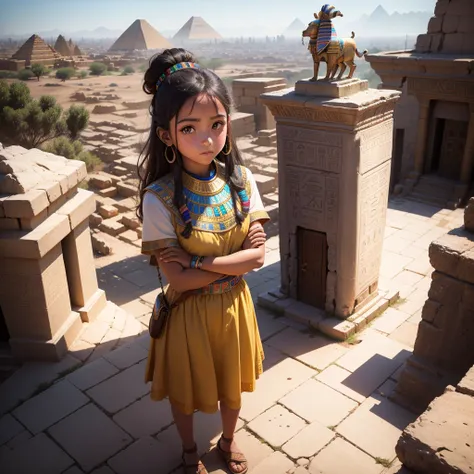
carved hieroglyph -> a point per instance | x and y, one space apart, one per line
454 90
372 210
375 146
311 149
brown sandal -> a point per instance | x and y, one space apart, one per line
198 468
230 457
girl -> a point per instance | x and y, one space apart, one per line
202 223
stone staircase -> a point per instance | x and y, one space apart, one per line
435 191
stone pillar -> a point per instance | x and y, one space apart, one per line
334 154
468 158
422 135
47 271
246 93
443 349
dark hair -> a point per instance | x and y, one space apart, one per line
167 101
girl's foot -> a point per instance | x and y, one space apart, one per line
191 462
232 455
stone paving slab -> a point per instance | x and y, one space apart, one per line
329 407
145 417
92 374
39 455
9 428
312 349
309 441
122 389
89 436
342 457
376 426
50 406
277 425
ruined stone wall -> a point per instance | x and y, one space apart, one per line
451 30
444 349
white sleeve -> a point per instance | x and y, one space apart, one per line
158 230
257 209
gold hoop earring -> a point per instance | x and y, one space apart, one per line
172 160
229 146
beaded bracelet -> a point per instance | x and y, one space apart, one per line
196 262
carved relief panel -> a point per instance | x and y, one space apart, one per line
373 199
375 146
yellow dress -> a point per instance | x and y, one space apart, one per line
211 350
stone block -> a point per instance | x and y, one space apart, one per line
423 43
430 310
127 190
112 228
108 192
108 211
469 216
32 223
9 223
120 170
461 7
441 439
246 101
445 290
435 24
450 23
265 184
337 329
453 43
52 188
309 441
26 205
92 374
466 267
129 236
131 221
95 219
79 208
93 306
101 243
100 182
126 204
441 7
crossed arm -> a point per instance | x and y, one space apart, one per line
174 262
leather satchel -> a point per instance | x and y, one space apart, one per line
162 311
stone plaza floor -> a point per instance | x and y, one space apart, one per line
321 407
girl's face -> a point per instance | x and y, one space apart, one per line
199 132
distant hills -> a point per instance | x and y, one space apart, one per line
381 23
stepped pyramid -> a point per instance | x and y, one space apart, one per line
35 50
62 46
140 35
196 28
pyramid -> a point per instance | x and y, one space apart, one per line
77 51
296 26
62 46
140 35
196 28
35 50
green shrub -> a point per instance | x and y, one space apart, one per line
82 74
65 73
8 75
97 69
113 84
77 118
38 70
73 150
128 70
25 75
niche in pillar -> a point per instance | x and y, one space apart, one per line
4 334
312 267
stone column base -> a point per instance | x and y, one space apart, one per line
93 307
52 350
339 329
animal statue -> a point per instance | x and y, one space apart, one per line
324 45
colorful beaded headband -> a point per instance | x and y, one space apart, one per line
173 69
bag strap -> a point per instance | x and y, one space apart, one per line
182 296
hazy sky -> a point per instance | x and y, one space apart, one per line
28 16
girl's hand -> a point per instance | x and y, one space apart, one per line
255 238
176 254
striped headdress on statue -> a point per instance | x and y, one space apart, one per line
327 32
